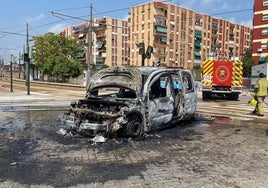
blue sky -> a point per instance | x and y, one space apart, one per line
14 14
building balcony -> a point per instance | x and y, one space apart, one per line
159 53
160 31
198 36
80 55
197 53
159 34
259 50
101 46
99 66
81 48
157 43
231 44
160 5
101 27
262 59
197 61
160 41
160 24
102 49
197 45
101 20
162 15
100 60
79 30
100 34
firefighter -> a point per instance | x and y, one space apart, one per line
260 90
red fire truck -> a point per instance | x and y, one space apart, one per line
222 78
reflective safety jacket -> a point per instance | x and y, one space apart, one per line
261 87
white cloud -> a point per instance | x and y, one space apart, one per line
41 16
189 4
37 18
224 5
209 2
57 28
214 6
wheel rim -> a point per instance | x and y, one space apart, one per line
136 128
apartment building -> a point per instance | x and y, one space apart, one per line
109 41
79 32
182 37
260 32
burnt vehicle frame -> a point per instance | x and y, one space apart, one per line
133 101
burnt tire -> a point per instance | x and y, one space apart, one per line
135 128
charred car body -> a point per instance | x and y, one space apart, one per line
134 100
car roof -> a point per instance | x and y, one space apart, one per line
122 76
149 70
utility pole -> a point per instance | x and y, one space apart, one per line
19 64
24 64
27 61
90 64
11 72
0 67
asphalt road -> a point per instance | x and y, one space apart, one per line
224 147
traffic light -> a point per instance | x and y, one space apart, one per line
149 51
26 57
141 48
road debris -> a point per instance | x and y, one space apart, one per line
13 164
98 139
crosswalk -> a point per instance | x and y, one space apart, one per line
240 110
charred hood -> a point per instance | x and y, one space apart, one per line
127 77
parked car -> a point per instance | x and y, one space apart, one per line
134 100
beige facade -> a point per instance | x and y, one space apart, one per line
109 41
183 38
79 32
180 37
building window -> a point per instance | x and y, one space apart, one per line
214 25
264 45
265 17
265 2
198 21
264 31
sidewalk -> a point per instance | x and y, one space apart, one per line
55 98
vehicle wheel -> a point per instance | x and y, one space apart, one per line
234 96
206 95
135 128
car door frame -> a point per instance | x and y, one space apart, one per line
189 93
159 110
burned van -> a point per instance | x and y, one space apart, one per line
133 101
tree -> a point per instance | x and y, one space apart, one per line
247 63
54 56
